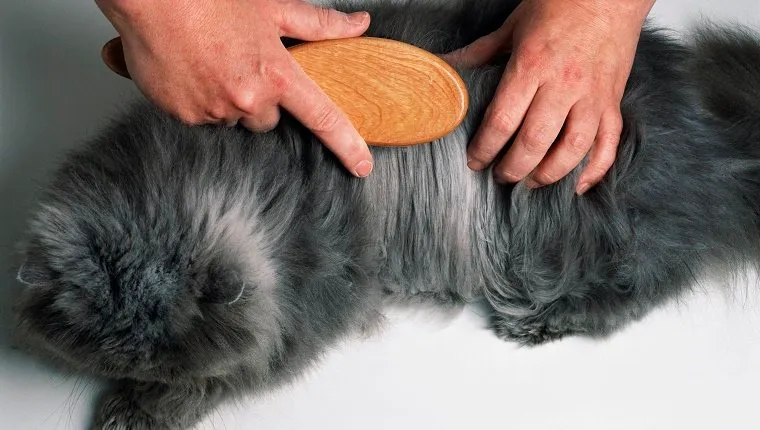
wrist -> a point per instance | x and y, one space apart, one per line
624 18
119 12
129 14
633 10
618 10
639 8
118 9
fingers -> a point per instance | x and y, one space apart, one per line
303 98
577 138
304 21
265 121
311 106
503 117
604 151
542 125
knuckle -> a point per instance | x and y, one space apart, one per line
245 100
325 18
535 141
577 143
501 122
325 120
278 75
269 120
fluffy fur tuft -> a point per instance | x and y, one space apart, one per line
196 263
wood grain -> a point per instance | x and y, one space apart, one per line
395 94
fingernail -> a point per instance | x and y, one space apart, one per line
363 169
474 164
531 183
582 188
357 18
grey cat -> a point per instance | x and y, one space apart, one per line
195 264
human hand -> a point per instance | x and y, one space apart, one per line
562 88
222 62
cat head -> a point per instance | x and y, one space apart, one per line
132 271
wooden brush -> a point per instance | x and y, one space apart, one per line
395 94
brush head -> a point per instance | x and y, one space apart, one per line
394 93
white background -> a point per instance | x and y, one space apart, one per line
695 365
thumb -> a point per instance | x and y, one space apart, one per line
304 21
484 49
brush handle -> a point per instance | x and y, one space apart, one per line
395 94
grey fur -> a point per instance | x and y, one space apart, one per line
193 264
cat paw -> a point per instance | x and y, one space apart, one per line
526 333
119 413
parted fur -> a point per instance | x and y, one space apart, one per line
191 264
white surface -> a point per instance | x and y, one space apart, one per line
691 366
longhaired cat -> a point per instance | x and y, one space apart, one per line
194 264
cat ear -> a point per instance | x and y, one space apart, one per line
222 287
33 273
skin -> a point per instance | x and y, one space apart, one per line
561 91
222 61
